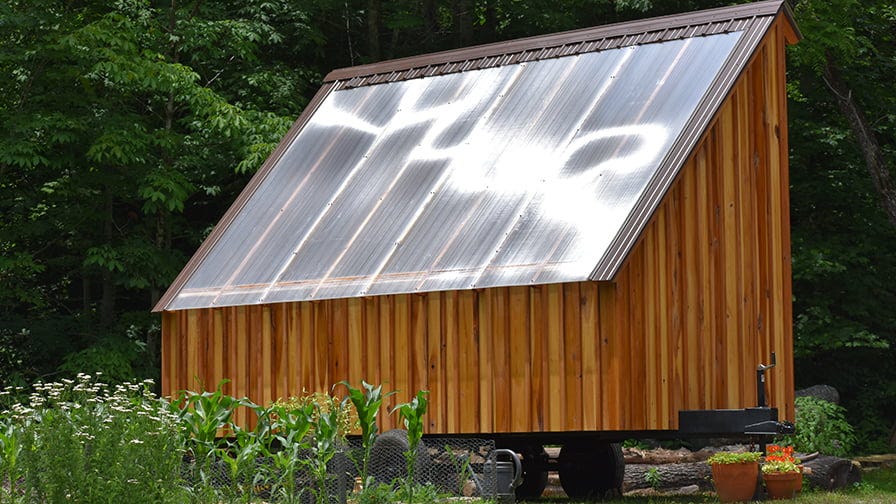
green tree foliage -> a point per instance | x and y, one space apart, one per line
128 124
843 237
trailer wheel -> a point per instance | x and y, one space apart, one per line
535 474
591 470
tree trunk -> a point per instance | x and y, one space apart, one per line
671 476
464 9
430 24
831 473
107 296
861 128
373 30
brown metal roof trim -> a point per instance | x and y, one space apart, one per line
661 29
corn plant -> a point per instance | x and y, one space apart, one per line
412 415
324 446
202 415
289 427
367 404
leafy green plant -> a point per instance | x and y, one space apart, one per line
462 467
203 415
10 451
726 457
412 415
289 426
324 446
821 426
653 477
377 493
367 403
239 455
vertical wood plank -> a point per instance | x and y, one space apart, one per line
653 372
520 362
370 342
663 303
264 364
691 283
435 362
677 342
500 370
555 357
610 361
386 338
417 355
216 349
322 344
169 355
590 357
402 350
337 362
538 350
293 350
486 360
468 334
239 385
356 351
572 352
452 363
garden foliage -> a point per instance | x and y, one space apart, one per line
821 426
85 441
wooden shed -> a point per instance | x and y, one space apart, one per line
584 232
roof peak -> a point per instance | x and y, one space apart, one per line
598 38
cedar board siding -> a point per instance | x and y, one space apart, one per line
703 298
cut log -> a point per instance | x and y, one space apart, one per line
661 456
671 476
832 473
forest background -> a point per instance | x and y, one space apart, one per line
129 127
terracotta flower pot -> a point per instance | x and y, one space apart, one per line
783 485
735 482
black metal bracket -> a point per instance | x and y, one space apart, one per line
760 381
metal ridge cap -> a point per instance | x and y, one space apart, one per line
751 10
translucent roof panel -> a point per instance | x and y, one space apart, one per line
510 175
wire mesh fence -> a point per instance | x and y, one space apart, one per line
442 467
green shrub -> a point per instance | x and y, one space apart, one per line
821 426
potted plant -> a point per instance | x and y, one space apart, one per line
781 473
735 475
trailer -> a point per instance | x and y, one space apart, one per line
571 239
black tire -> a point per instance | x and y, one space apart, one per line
535 474
592 470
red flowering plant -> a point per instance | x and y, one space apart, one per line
780 459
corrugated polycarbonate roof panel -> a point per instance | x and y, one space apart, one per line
508 175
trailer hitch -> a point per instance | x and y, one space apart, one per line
760 381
